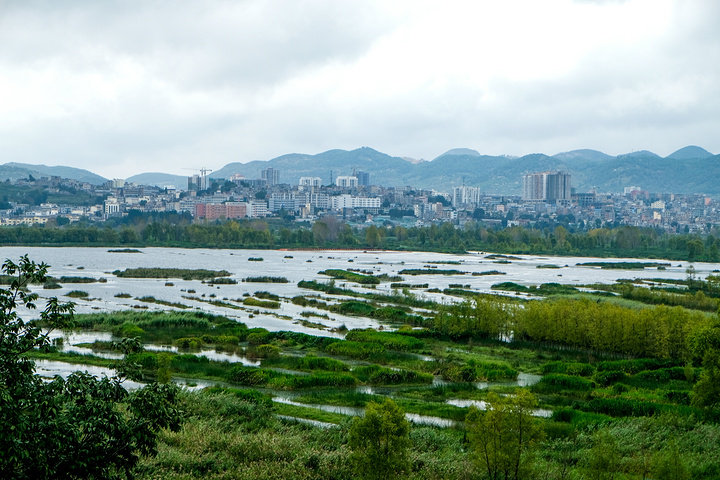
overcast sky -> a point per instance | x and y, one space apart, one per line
124 87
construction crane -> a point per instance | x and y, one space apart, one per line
203 171
203 178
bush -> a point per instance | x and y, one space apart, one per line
253 302
556 382
620 388
677 396
191 343
311 362
264 351
250 376
77 294
354 307
265 280
392 341
609 377
258 338
578 369
377 375
635 366
352 349
351 276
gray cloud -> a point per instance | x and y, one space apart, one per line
124 87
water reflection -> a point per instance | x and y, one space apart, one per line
482 405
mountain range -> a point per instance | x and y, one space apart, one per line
689 170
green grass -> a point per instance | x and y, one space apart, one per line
265 280
309 413
430 271
254 302
351 276
184 274
77 294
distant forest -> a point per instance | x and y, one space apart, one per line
178 230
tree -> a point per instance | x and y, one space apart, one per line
79 427
380 441
603 459
669 465
706 392
372 236
503 436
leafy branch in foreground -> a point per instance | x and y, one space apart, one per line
79 427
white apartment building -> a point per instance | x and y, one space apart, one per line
346 181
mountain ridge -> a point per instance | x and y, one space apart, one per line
690 169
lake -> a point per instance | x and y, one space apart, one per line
301 265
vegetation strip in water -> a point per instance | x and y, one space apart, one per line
184 274
624 265
545 289
265 279
351 276
430 271
397 298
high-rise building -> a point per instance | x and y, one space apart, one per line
197 182
550 187
271 176
363 178
465 196
309 183
346 181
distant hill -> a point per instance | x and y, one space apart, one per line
583 156
689 153
16 171
461 152
688 170
163 180
383 169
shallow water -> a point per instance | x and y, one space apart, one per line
99 263
358 412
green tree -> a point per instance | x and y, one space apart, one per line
706 392
380 441
669 465
372 236
79 427
503 437
603 459
320 232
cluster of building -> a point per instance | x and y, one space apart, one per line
546 197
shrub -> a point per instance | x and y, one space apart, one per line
253 302
265 280
351 276
257 338
192 343
638 365
609 377
77 294
555 382
311 362
130 331
265 351
355 349
579 369
620 388
392 341
354 307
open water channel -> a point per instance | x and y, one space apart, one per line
295 266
